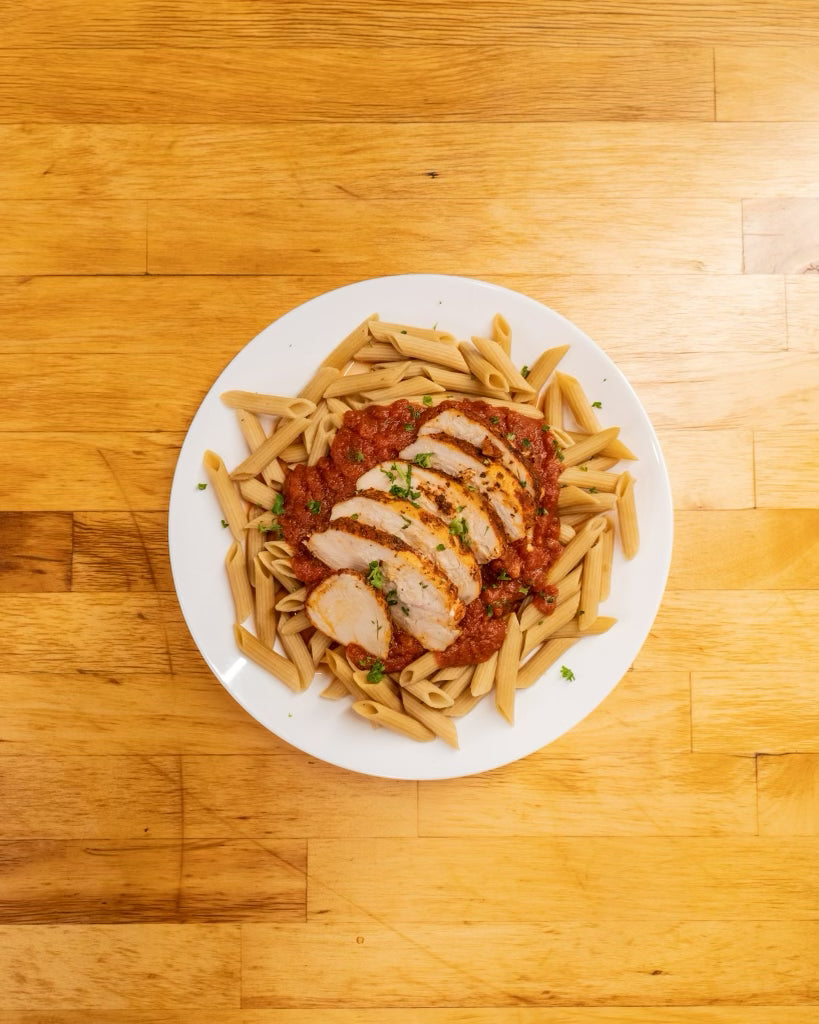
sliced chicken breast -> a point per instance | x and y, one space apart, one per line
458 424
350 611
421 600
421 530
505 495
445 497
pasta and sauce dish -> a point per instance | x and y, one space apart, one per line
425 521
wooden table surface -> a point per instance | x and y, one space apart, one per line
174 176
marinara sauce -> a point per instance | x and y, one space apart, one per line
378 433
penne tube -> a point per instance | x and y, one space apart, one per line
264 615
442 353
569 585
257 493
614 448
494 354
421 668
362 383
550 624
444 675
531 411
579 405
283 576
588 478
337 406
322 440
384 691
283 436
378 352
254 435
270 405
239 584
600 463
627 515
502 332
552 405
334 690
576 548
295 623
590 585
541 369
318 644
341 670
483 677
548 654
599 503
233 508
254 543
428 693
397 721
404 389
465 384
293 601
432 719
279 548
294 453
506 673
319 382
278 666
607 541
296 650
346 349
570 495
602 624
463 704
591 445
455 686
566 533
484 371
382 331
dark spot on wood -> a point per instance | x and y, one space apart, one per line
431 174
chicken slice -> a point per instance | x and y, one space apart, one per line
445 497
421 599
511 502
421 530
458 424
350 611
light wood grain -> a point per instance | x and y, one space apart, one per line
710 469
117 967
36 549
530 963
120 551
779 236
786 468
116 882
536 879
789 795
636 236
43 237
326 83
774 83
91 797
756 711
607 795
803 312
753 549
409 160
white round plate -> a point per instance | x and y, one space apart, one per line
280 360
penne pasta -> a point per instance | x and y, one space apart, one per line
334 690
607 541
231 504
550 624
294 453
273 446
455 686
577 548
487 373
254 541
552 406
296 650
293 601
483 677
627 515
494 354
397 721
541 369
442 353
346 349
254 435
579 405
421 668
264 615
320 445
268 659
382 331
436 722
378 352
270 405
295 623
318 644
319 382
404 389
582 450
257 493
581 477
602 624
239 584
463 704
384 691
362 383
506 673
427 692
548 654
614 448
502 332
590 586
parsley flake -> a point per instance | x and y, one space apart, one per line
356 455
494 419
409 426
407 522
544 427
524 372
458 527
278 505
201 487
313 507
597 405
427 399
567 673
404 609
375 577
423 459
440 547
224 525
392 596
504 575
526 442
376 673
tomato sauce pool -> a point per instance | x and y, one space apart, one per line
377 433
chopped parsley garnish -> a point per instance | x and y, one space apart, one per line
522 482
550 600
409 426
440 547
489 611
541 511
458 527
523 588
544 427
524 372
405 490
278 505
494 419
567 673
593 490
558 450
354 515
423 459
201 487
504 575
597 405
526 442
356 455
460 508
390 476
583 469
270 528
376 673
510 437
403 332
375 577
404 609
392 596
313 507
427 399
224 524
407 522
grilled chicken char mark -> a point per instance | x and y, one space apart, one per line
421 530
508 497
421 599
350 611
445 497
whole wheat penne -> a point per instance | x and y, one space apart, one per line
502 332
334 690
254 542
384 691
257 493
337 664
318 643
346 349
233 508
579 405
275 568
421 668
576 548
463 383
589 478
319 382
432 719
627 515
296 650
295 623
600 502
254 435
264 615
427 692
602 624
455 686
483 678
443 353
464 704
363 383
552 405
484 371
283 436
404 389
590 586
268 659
570 495
270 405
279 548
541 369
397 721
607 541
506 673
322 440
546 627
382 331
548 654
570 584
614 448
494 354
588 446
239 585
